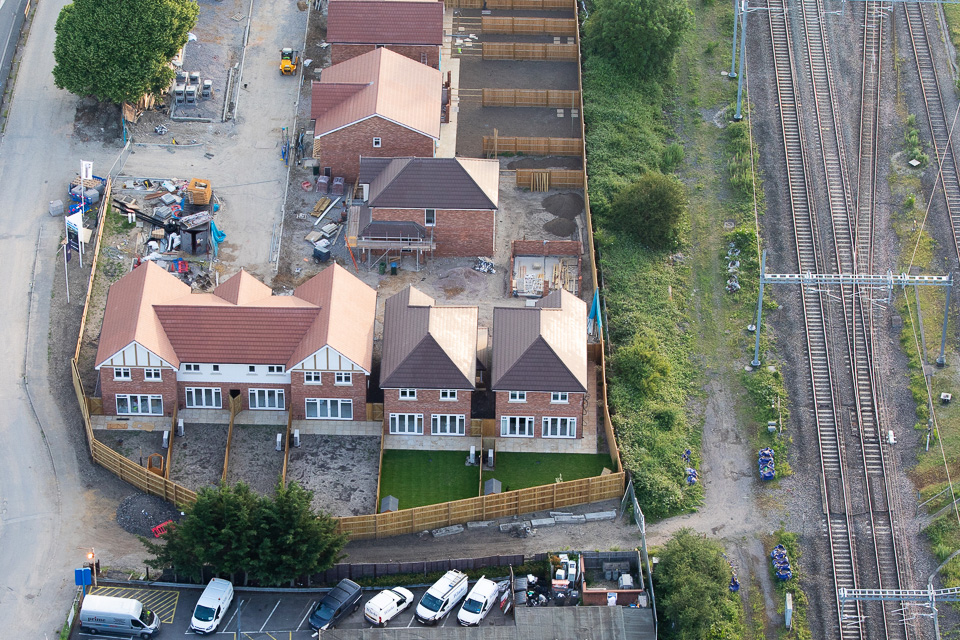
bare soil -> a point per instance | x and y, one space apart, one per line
198 456
340 470
134 445
564 205
254 458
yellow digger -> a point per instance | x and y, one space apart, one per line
289 60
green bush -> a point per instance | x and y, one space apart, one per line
651 210
672 158
641 365
403 579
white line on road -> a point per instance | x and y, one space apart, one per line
306 614
234 614
409 624
269 616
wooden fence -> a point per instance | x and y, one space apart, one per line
495 145
358 570
102 217
556 179
499 505
530 51
529 5
529 26
551 98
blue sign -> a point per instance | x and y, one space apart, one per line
82 577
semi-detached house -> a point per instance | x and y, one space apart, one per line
310 353
412 28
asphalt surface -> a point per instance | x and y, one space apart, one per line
270 615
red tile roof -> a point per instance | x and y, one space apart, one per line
385 22
377 83
241 322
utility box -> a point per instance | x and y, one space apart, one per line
191 94
179 93
207 91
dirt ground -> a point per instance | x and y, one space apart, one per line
254 457
133 445
198 456
340 470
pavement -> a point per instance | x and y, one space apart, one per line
270 615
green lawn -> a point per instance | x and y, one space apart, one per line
521 470
417 478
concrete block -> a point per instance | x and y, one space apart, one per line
543 522
480 524
554 514
447 531
510 526
570 519
601 515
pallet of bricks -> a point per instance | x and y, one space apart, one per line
199 191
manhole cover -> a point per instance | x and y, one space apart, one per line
238 17
728 225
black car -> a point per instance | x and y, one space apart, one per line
342 600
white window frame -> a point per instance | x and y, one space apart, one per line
343 378
518 396
213 394
141 400
559 397
426 218
312 377
552 427
215 368
122 373
251 368
415 429
377 142
275 368
448 424
407 394
191 367
152 374
339 403
525 432
448 395
279 399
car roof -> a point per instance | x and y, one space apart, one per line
342 592
484 586
214 592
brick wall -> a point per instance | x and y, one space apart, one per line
166 387
539 406
344 51
428 402
356 391
546 248
458 233
341 150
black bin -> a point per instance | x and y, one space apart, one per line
321 255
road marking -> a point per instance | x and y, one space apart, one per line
409 624
240 604
162 602
309 610
268 618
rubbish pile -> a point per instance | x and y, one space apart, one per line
484 265
765 463
692 475
734 582
781 563
733 268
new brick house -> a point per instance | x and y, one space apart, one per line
539 367
379 104
429 365
450 202
309 353
412 28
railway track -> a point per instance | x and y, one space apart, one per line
853 484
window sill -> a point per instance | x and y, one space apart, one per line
503 435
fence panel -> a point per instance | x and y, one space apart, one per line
558 178
529 51
495 145
529 26
550 98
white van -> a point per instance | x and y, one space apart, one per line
442 597
384 606
479 602
106 614
212 606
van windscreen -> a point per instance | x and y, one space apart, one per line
473 606
204 614
431 602
146 617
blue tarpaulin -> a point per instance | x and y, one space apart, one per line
216 236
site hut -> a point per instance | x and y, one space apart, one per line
309 353
410 28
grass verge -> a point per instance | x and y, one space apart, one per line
522 470
800 627
418 478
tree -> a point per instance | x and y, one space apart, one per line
692 586
642 34
120 50
230 530
651 209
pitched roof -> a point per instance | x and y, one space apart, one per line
377 83
425 346
432 183
241 322
385 22
543 348
129 315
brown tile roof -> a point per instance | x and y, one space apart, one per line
385 22
241 321
431 183
543 348
129 315
425 346
378 83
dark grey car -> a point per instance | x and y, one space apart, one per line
342 600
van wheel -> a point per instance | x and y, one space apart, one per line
145 636
92 632
355 607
